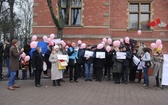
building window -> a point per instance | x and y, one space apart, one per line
74 12
139 16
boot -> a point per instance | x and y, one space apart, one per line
58 81
54 84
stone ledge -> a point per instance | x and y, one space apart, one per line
35 4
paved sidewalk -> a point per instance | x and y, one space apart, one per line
82 93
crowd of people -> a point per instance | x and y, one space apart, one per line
84 61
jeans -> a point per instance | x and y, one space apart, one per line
88 71
146 77
12 78
8 66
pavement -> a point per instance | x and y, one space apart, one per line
82 93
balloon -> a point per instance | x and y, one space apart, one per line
104 40
34 38
100 46
153 45
109 41
79 42
127 39
108 48
52 36
83 45
139 32
161 46
27 58
45 38
64 44
158 42
23 55
56 42
121 40
33 44
116 43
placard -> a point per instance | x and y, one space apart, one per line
100 55
63 57
88 53
165 70
121 55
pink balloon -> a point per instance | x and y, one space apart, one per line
127 39
34 38
33 44
104 40
153 45
108 48
100 46
83 45
23 55
56 42
52 36
109 40
79 42
27 58
121 40
45 38
158 42
161 46
64 44
139 32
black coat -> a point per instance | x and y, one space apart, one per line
1 51
27 49
109 57
37 60
99 62
128 59
7 49
80 59
46 58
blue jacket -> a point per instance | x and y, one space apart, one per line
72 53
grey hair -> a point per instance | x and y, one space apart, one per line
38 48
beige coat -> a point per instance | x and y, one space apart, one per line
55 73
157 65
14 58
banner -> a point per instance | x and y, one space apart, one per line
165 70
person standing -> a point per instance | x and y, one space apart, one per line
14 64
37 63
1 54
146 57
56 75
6 56
72 62
157 60
88 61
27 52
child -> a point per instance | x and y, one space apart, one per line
24 67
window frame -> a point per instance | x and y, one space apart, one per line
70 14
139 12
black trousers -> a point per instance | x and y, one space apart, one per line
139 75
125 74
0 69
75 69
133 73
108 72
99 72
37 74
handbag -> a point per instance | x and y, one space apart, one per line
44 66
148 64
60 67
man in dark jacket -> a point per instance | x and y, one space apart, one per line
126 64
37 63
1 55
6 55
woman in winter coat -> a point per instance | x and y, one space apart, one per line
157 60
117 67
56 74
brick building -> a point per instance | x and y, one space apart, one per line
92 20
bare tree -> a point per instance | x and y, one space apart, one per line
59 22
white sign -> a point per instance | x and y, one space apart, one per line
165 70
136 60
63 57
100 54
121 55
88 53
